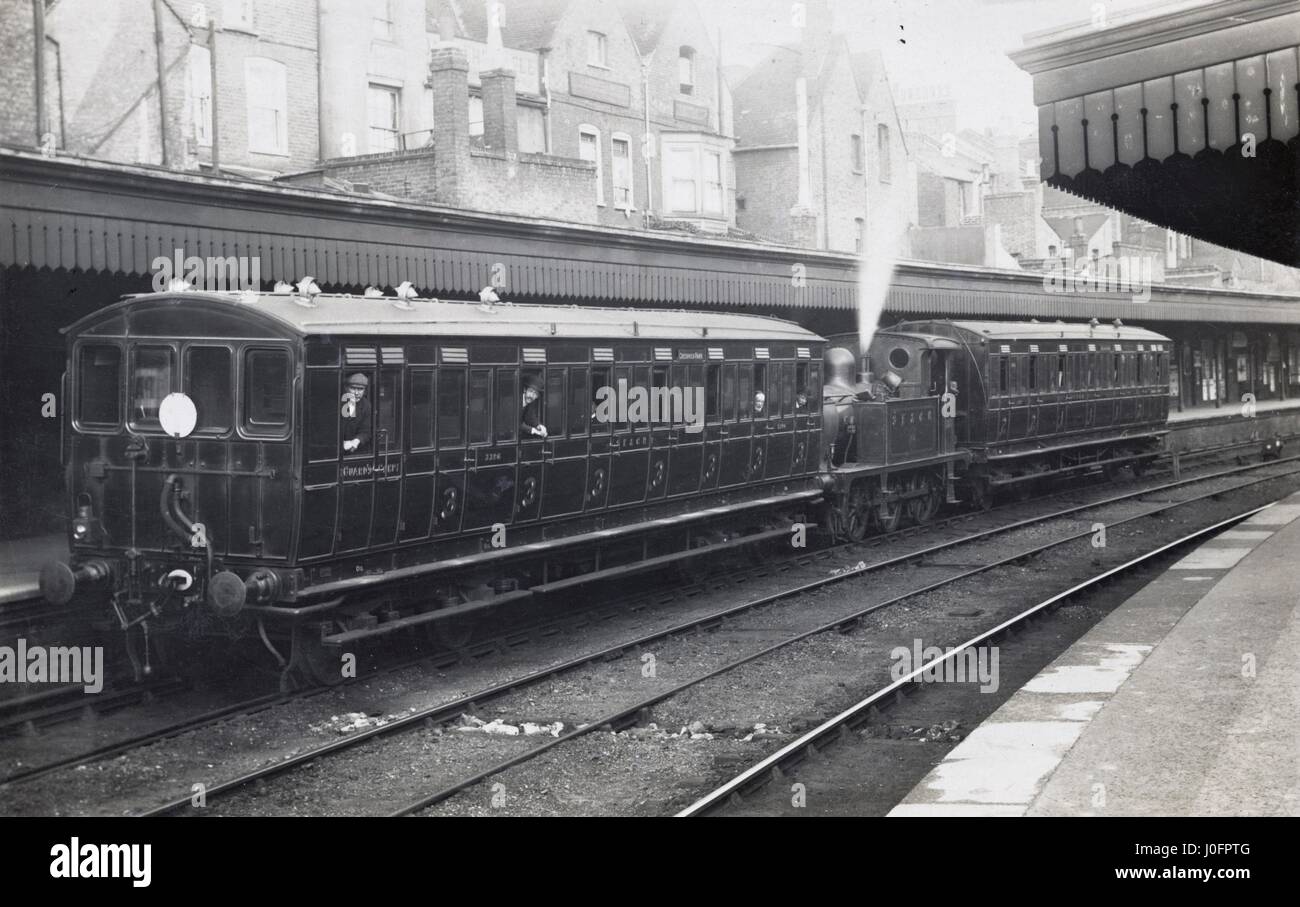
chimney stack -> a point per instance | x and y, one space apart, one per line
500 115
449 78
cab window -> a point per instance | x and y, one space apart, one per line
266 391
99 385
152 370
207 382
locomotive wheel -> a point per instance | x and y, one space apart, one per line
922 509
888 513
858 524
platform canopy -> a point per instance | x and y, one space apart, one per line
1185 115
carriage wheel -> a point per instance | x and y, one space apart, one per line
311 663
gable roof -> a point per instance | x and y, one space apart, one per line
764 102
646 21
526 24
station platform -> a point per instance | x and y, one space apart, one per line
1230 410
21 561
1184 701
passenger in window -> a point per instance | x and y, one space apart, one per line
760 403
801 400
356 414
532 406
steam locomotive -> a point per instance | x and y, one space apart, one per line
217 477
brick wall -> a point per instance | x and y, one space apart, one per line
17 73
531 184
768 182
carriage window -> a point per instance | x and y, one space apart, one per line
787 389
711 391
99 385
451 408
1060 371
801 388
761 403
580 410
421 410
266 390
729 392
1003 367
1114 371
151 380
1033 372
207 382
480 400
602 413
1140 358
388 430
745 391
661 408
694 388
555 401
322 414
507 408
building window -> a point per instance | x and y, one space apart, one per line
589 150
597 54
686 70
882 148
859 235
201 93
268 108
475 116
237 14
713 182
683 177
855 149
621 170
382 108
694 181
381 19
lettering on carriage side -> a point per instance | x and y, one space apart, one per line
366 470
75 860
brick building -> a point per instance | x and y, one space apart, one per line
820 150
141 85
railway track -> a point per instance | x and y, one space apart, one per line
864 710
627 715
209 717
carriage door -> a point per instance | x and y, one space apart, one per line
663 433
387 470
564 487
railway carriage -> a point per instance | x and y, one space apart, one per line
209 481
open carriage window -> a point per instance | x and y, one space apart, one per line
266 391
99 385
152 371
207 382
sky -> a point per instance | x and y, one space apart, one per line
960 45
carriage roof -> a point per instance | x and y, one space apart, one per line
1028 330
333 314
